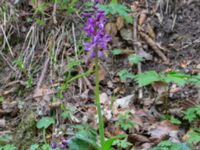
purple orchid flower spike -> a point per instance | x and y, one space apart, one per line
95 30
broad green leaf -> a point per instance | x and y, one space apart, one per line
45 122
195 80
124 75
9 147
135 59
34 147
147 78
85 139
116 51
46 147
108 144
177 78
194 137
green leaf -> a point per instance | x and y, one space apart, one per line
73 63
46 147
172 119
135 59
34 147
124 121
168 145
40 22
190 114
147 78
124 75
116 51
195 80
1 99
65 115
45 122
71 6
175 120
83 142
9 147
117 9
108 144
122 143
4 139
177 78
85 139
114 1
194 137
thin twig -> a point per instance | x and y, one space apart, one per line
74 37
6 39
44 70
54 12
136 48
7 61
154 46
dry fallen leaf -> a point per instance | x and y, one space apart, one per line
126 34
150 31
2 123
104 99
42 92
160 87
133 138
111 29
102 73
9 107
135 6
123 102
113 130
120 23
142 18
163 129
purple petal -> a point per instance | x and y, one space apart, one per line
53 145
65 142
89 46
100 54
92 54
87 14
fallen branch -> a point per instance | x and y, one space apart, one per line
154 46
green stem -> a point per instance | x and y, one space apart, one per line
98 105
44 136
80 76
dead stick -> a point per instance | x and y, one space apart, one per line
154 46
42 74
136 47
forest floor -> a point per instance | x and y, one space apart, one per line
45 73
